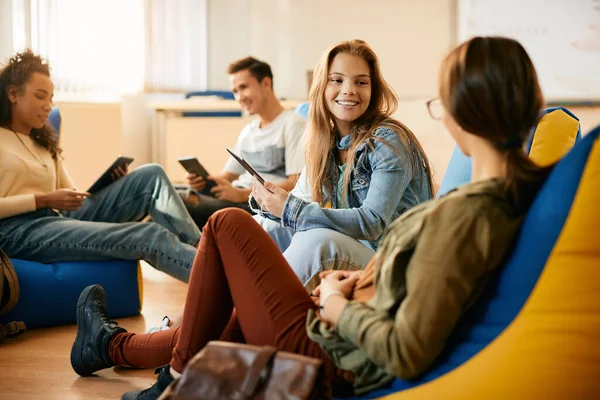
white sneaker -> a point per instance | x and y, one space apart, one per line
164 325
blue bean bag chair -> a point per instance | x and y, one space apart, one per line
302 109
49 292
534 333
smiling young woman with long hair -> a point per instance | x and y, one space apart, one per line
363 169
342 108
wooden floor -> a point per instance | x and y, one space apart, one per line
36 365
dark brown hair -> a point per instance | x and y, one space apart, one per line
490 87
17 72
258 69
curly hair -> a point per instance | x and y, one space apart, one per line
17 72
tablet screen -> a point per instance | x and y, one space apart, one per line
247 166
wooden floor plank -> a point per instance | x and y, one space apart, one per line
36 365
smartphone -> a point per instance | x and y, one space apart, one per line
193 166
247 166
106 178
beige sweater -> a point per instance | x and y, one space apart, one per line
23 176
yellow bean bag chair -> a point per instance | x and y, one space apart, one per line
536 333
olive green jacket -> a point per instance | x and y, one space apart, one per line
432 264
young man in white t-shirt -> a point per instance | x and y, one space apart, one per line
270 143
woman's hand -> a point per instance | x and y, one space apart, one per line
119 172
338 281
62 199
317 291
334 291
196 182
269 197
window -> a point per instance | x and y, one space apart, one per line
176 36
115 47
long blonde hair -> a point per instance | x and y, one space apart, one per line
321 133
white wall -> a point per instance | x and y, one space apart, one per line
6 33
409 36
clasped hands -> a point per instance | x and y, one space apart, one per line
334 291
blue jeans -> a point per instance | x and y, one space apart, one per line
315 250
107 227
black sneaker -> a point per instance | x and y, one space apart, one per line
154 392
94 332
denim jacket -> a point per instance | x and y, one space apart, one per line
383 185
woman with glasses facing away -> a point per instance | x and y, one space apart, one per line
392 319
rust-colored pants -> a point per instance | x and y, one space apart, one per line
238 267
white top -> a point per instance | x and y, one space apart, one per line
23 175
275 151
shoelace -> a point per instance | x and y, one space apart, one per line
113 324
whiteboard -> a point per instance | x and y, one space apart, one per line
562 38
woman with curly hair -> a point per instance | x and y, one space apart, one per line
44 219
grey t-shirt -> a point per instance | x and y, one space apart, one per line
274 150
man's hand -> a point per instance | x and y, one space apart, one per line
193 198
224 190
269 197
196 182
62 199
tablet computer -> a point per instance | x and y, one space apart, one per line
106 178
247 166
193 166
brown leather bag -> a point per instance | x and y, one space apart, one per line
224 370
9 295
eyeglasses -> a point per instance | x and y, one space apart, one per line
435 108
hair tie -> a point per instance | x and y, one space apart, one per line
512 143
